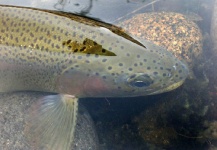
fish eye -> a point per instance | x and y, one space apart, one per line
140 84
140 81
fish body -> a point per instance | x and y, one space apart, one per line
44 51
35 56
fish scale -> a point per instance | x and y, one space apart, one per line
48 52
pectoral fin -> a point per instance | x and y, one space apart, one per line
51 123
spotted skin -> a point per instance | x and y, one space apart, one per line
33 56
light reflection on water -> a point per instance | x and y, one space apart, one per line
104 10
46 4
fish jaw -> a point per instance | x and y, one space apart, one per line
169 88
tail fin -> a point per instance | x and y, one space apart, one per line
51 123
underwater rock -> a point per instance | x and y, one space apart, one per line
211 131
13 111
178 119
174 31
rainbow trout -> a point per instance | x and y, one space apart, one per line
49 52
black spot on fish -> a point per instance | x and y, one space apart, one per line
155 73
70 62
168 69
16 39
133 76
68 42
109 68
102 41
94 43
79 57
74 34
103 50
57 46
82 49
84 42
104 60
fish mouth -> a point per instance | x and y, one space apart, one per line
168 88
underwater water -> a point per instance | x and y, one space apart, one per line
184 118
